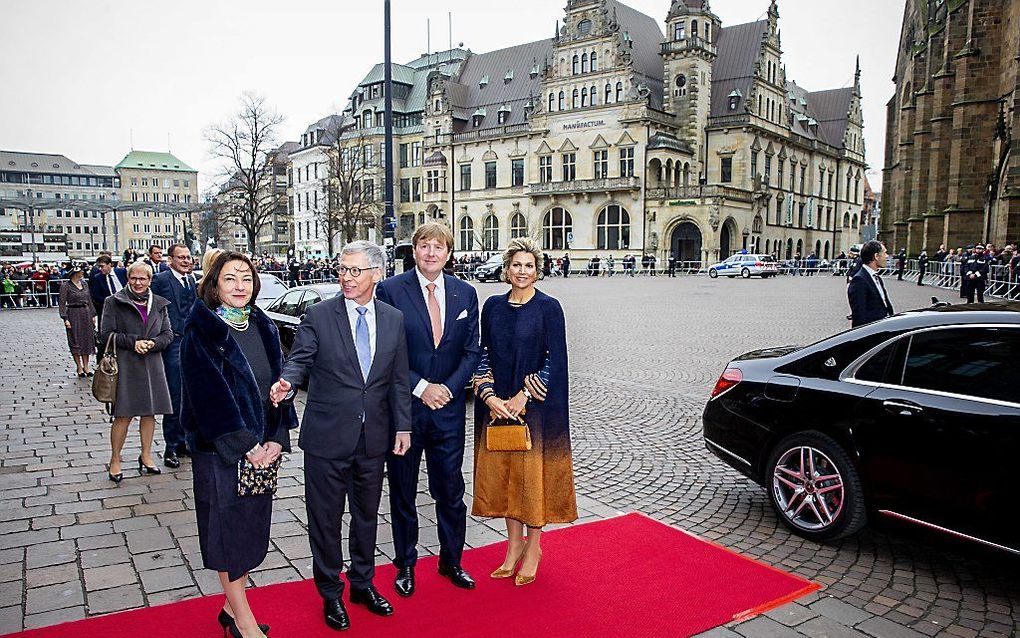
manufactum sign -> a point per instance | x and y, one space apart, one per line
580 126
683 202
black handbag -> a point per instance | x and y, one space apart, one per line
257 481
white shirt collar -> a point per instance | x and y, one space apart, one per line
423 280
352 307
873 273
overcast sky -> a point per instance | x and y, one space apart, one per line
78 77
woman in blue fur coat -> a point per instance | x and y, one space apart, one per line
230 356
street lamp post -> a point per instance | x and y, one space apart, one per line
30 223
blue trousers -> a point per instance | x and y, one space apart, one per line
444 461
173 433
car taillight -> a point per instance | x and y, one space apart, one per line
729 378
757 264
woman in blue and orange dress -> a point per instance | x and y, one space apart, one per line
523 371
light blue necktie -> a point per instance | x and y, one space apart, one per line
362 342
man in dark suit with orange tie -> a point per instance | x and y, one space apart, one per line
441 324
868 298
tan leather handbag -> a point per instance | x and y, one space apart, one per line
104 383
507 435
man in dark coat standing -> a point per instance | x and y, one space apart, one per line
922 267
105 282
441 323
867 295
176 285
566 266
975 273
352 351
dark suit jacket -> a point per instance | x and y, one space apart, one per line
165 285
324 355
455 360
866 304
99 287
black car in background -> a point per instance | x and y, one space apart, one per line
289 309
915 417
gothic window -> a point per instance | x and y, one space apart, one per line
490 233
518 226
613 228
754 165
556 226
584 96
563 101
573 99
756 225
584 63
619 91
576 66
594 64
593 94
779 173
467 233
609 93
552 102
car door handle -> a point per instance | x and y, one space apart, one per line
902 408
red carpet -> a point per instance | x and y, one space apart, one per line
626 576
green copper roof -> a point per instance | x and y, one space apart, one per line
147 160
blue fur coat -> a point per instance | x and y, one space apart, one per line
221 406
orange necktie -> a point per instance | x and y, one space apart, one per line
435 315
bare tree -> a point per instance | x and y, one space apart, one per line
351 202
242 143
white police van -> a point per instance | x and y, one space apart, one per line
745 265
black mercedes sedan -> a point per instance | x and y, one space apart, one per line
915 417
289 309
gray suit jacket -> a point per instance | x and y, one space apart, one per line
340 401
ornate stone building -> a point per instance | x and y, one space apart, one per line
952 173
613 138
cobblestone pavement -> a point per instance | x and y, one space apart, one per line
644 355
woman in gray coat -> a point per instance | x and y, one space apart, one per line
142 325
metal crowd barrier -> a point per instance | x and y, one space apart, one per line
1001 283
29 293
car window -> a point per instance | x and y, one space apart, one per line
289 304
271 288
876 368
311 298
978 362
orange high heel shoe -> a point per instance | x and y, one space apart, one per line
521 580
507 573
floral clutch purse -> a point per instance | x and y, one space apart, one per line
256 481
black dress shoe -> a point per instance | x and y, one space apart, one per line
404 583
336 615
373 600
170 459
226 620
457 576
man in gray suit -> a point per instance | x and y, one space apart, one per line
352 351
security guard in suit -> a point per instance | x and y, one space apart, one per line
975 273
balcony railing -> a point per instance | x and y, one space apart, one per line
486 133
730 120
586 186
688 44
698 192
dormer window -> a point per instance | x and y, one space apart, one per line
733 100
534 72
477 117
509 75
680 31
484 82
503 115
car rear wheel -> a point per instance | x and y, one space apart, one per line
745 273
713 273
814 487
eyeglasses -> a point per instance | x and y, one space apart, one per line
138 279
355 271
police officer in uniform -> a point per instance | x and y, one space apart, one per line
975 273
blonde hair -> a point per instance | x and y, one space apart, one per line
521 245
433 230
208 258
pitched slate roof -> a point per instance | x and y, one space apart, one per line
647 38
469 93
832 110
738 49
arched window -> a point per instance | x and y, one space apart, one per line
467 233
573 99
552 102
594 95
853 221
584 63
439 105
584 96
576 66
556 226
518 226
563 101
594 64
613 228
846 220
757 224
490 233
619 91
609 93
694 29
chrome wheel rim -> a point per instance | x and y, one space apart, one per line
808 488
